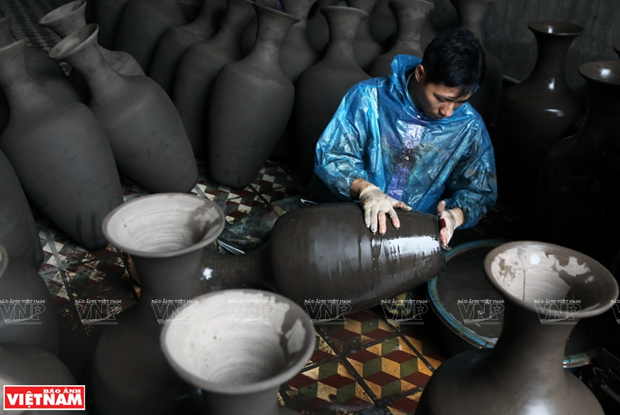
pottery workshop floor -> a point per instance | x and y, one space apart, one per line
364 365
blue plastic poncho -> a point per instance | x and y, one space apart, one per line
378 134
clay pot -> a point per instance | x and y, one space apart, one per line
28 314
164 234
69 17
59 152
383 23
177 39
365 47
143 126
296 52
487 98
107 16
199 67
18 231
579 176
535 114
238 347
321 87
329 237
250 105
317 30
411 15
547 289
142 24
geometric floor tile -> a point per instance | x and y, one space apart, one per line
405 405
358 330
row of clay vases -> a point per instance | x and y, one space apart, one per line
140 121
71 16
18 231
60 153
578 180
296 52
250 105
321 87
365 47
547 290
535 114
486 100
177 39
199 66
411 15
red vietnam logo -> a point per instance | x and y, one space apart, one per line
44 397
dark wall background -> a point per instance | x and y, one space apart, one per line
507 36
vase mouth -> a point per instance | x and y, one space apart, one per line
75 41
238 341
163 225
539 275
605 72
556 28
62 12
4 260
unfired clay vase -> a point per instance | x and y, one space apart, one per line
164 234
547 289
199 67
365 47
18 231
411 15
59 152
487 98
238 347
142 24
332 247
177 39
107 16
69 17
296 52
143 126
321 87
316 27
383 23
250 105
580 173
535 114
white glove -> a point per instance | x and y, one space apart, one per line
376 205
453 218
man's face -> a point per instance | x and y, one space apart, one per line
436 101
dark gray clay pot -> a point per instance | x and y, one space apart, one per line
250 105
59 152
107 16
199 67
18 231
143 126
238 347
296 52
164 234
177 39
321 87
547 289
142 24
316 27
365 47
411 15
28 313
383 23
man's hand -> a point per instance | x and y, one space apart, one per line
376 205
453 218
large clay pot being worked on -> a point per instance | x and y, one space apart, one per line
164 234
238 347
250 105
143 126
59 152
547 290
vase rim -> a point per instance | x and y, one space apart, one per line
68 44
62 12
556 28
282 376
114 216
595 271
604 72
4 260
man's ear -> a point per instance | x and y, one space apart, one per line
420 73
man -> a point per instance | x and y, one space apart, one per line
411 140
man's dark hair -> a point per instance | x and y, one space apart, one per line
456 59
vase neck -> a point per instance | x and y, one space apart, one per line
20 87
603 115
299 9
239 13
65 19
551 59
208 19
410 16
343 23
5 31
172 278
272 27
471 13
